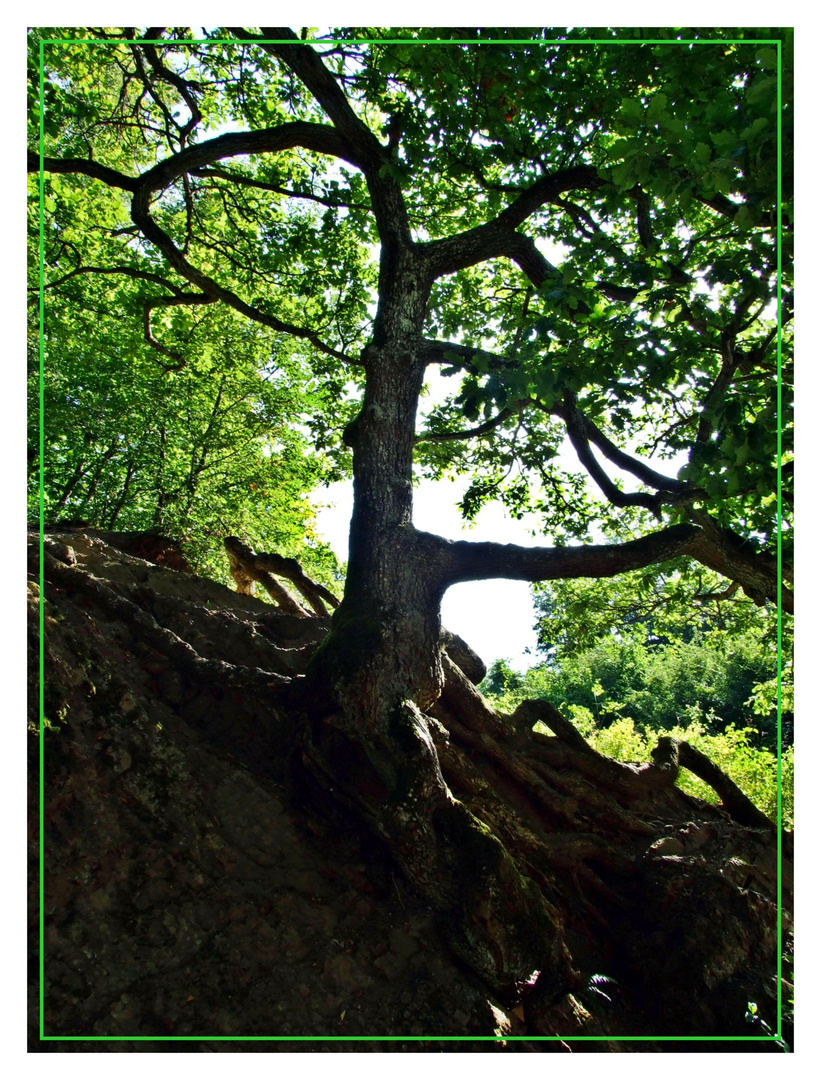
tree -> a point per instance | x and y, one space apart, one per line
581 234
213 452
662 642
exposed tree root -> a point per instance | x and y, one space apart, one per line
553 868
248 567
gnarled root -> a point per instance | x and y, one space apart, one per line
495 918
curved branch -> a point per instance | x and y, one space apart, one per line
170 301
183 87
179 298
537 269
320 138
84 166
317 137
471 561
151 230
472 433
367 153
127 271
301 58
614 494
731 360
465 560
435 352
733 799
248 181
247 566
582 431
721 550
522 250
496 237
244 573
152 91
625 461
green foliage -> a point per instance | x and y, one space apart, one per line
673 120
232 434
664 643
200 453
665 653
661 686
628 730
680 600
651 311
753 768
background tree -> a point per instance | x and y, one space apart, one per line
581 236
662 643
212 453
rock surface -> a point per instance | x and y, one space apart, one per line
187 892
196 893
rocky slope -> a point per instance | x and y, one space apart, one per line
193 887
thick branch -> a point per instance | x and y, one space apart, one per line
614 494
468 561
320 138
495 238
733 799
729 556
367 153
244 573
86 167
471 561
582 432
308 67
625 777
720 203
450 352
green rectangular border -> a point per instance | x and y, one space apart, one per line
776 1038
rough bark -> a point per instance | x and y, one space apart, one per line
247 567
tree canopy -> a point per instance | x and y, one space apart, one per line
604 264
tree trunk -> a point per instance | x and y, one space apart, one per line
368 686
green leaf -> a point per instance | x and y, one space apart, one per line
656 111
767 57
702 153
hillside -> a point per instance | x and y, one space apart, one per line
200 883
